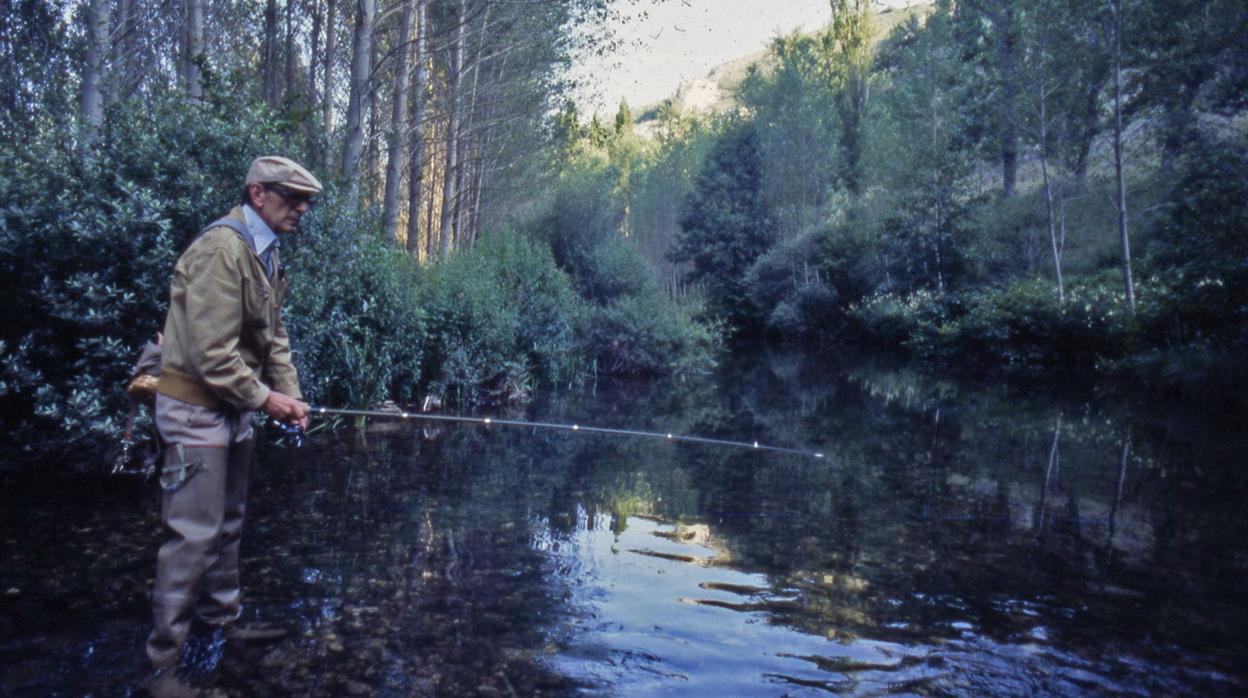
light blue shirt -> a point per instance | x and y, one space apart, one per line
263 236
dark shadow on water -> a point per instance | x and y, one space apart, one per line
959 539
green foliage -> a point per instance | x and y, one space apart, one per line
1203 243
1023 324
583 216
36 48
356 327
665 180
631 326
796 125
725 227
87 242
645 334
805 285
900 323
1020 324
499 316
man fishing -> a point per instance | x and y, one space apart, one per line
226 354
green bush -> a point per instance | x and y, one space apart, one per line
629 325
499 316
912 323
648 335
87 242
357 329
1023 324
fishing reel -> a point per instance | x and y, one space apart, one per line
293 432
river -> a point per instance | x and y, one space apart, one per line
957 538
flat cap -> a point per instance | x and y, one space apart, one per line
271 169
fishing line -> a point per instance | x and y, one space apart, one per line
488 421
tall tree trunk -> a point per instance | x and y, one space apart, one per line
313 141
1007 47
126 50
478 192
288 81
1050 472
470 169
416 170
327 74
371 150
317 19
361 67
91 100
194 48
430 239
269 86
1128 283
449 176
1089 116
398 124
1049 195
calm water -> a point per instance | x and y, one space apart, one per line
956 540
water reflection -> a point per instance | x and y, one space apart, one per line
958 539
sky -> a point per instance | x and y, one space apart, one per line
685 39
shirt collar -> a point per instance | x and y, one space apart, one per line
261 233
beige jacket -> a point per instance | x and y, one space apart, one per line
225 344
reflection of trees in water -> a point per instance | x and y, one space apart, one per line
940 503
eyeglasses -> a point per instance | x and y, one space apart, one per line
291 197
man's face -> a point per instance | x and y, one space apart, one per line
280 208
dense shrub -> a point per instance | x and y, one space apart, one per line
647 335
356 327
900 323
1201 251
583 215
630 326
1023 324
87 241
1020 324
499 316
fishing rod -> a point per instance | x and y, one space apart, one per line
489 421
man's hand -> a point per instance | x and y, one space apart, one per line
285 408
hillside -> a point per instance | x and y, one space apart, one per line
714 94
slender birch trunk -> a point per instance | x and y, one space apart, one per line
194 48
398 124
288 82
416 169
430 238
91 100
327 73
1128 282
470 168
361 67
449 176
1049 196
270 52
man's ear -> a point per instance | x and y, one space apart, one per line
254 192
